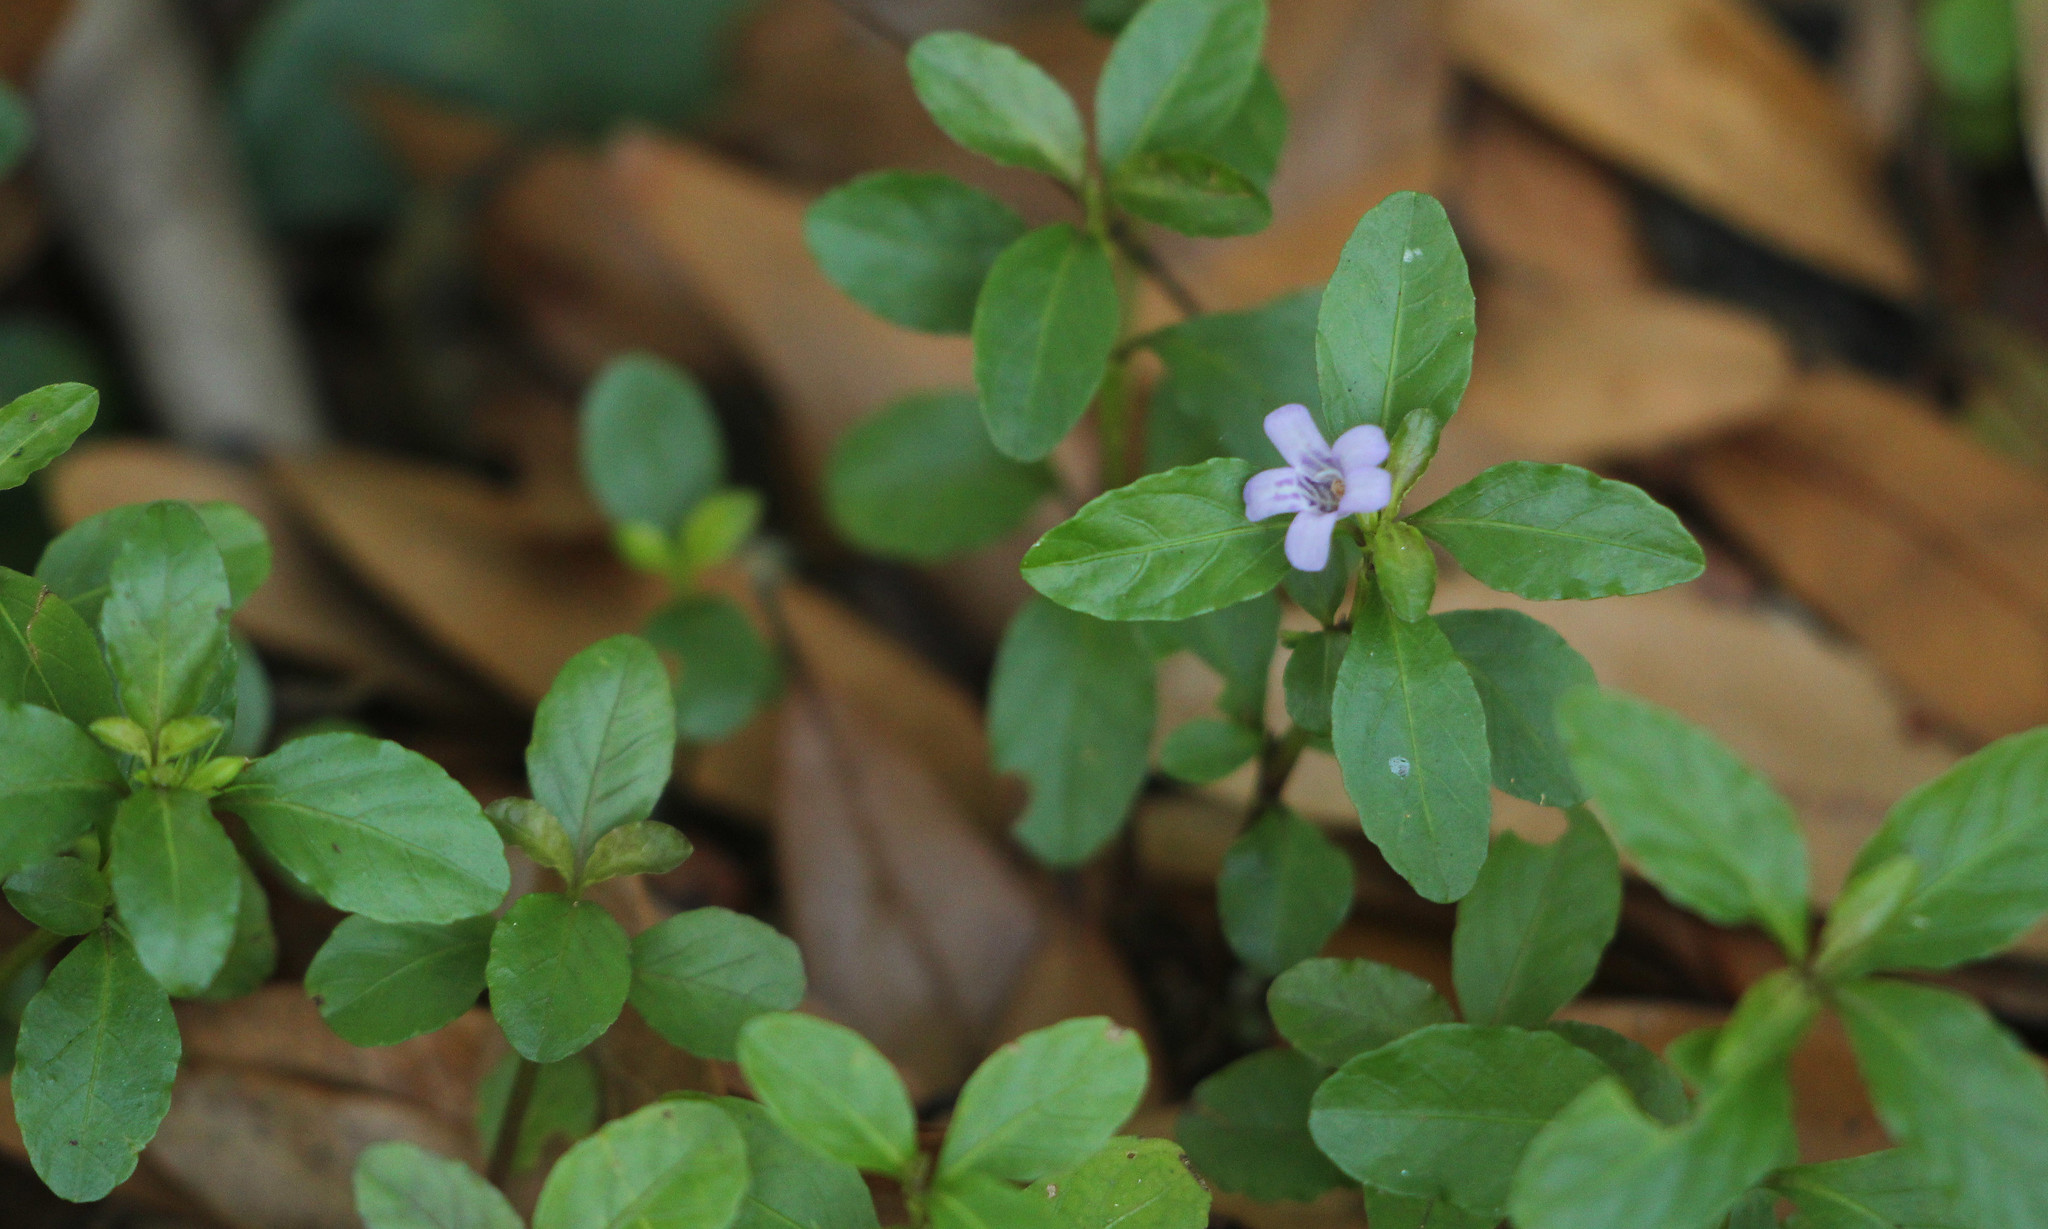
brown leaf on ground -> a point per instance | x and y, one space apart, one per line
1706 98
1928 548
1526 198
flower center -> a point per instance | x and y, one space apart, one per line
1324 486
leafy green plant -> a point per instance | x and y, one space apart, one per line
1972 52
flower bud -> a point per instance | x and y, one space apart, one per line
183 735
1406 569
216 774
642 545
1414 447
122 735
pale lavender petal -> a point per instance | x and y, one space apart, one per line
1360 446
1366 489
1272 492
1293 431
1308 540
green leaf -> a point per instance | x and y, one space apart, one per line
38 427
64 896
700 976
1071 710
559 972
1236 642
726 672
1531 931
825 1085
1310 679
373 828
78 563
254 708
1130 1184
650 444
645 847
1411 739
1404 568
1208 750
17 129
1283 891
999 104
1250 141
48 656
1044 327
1389 1211
252 957
244 547
1109 16
1656 1087
1557 531
56 785
976 1201
1246 1129
1191 192
1446 1112
379 983
604 740
1521 669
1178 73
1168 546
177 883
165 617
93 1068
401 1185
1227 370
1867 910
1948 1080
1979 834
1045 1101
1334 1010
534 828
672 1165
912 248
921 481
567 1104
1395 332
794 1187
1893 1189
1701 824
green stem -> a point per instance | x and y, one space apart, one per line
25 953
1276 763
914 1208
1113 427
505 1149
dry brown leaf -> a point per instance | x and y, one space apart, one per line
1928 548
1573 372
308 609
28 29
1525 198
1707 99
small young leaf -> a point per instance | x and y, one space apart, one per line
377 984
825 1085
715 530
1334 1010
604 740
1446 1112
56 785
1168 546
1948 1080
1405 570
1700 823
1979 834
1411 738
1866 911
373 829
165 618
1310 679
672 1165
1207 750
37 427
1178 73
1557 531
651 447
1521 669
1283 891
1192 192
534 828
252 956
1656 1087
700 976
48 656
1044 327
1246 1129
1396 327
920 481
93 1068
998 104
400 1185
644 847
567 1104
912 248
559 971
1236 642
64 896
1130 1184
725 671
794 1187
1227 370
1531 931
1071 710
1045 1101
177 883
1881 1190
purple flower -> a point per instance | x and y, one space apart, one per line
1320 483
